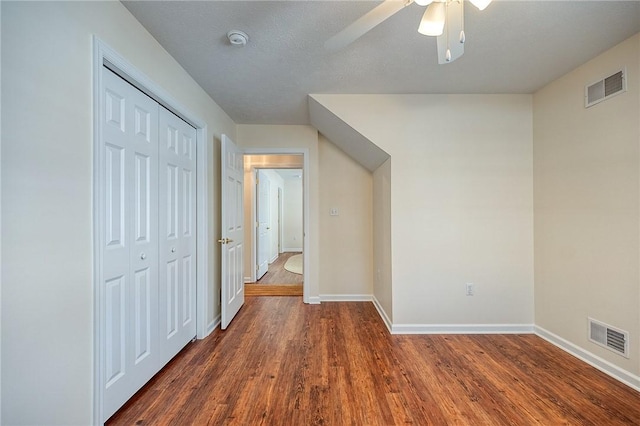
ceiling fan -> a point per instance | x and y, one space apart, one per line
443 19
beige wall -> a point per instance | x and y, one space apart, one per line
382 290
292 232
586 171
461 202
346 246
47 272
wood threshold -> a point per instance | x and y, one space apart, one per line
273 290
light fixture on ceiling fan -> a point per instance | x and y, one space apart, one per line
432 23
480 4
443 19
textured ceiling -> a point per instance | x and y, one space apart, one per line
511 47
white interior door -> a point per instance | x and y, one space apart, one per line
263 210
129 197
280 225
177 207
232 240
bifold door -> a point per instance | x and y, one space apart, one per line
147 193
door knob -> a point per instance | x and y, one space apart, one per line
143 256
173 249
225 241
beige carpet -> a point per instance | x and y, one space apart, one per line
294 264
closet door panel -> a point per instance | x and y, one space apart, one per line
129 198
143 292
178 243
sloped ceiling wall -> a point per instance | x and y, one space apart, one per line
353 143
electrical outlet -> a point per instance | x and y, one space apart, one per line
470 289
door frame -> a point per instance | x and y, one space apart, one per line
306 294
103 55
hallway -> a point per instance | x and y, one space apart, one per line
278 275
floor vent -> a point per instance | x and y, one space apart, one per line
609 337
605 88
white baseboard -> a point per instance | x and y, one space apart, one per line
601 364
382 313
273 259
345 297
247 280
462 328
294 249
213 325
314 300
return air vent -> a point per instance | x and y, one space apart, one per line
609 337
605 88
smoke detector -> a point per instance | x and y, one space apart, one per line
237 38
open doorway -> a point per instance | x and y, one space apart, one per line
274 212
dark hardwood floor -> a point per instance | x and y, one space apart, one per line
281 362
278 275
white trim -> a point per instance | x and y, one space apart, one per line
98 218
273 259
202 237
306 296
0 223
214 324
462 328
247 280
593 360
292 250
382 313
105 55
346 298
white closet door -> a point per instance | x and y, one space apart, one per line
129 290
177 209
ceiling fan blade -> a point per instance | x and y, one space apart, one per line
450 38
365 23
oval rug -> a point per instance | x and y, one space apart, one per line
294 264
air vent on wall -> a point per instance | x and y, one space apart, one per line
609 337
605 88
